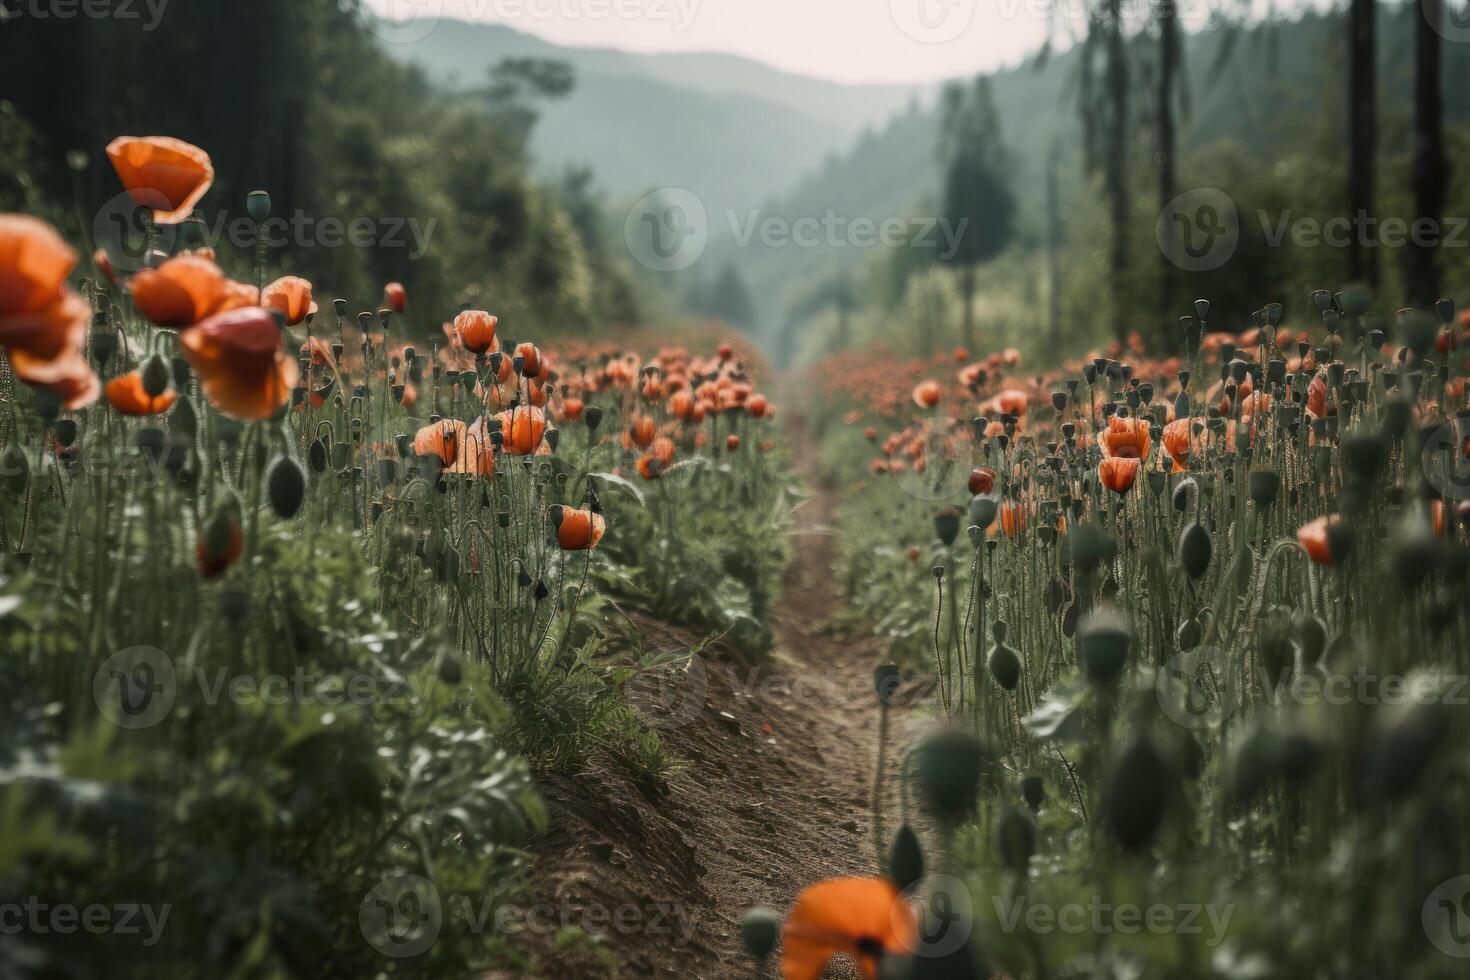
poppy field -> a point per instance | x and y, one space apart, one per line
573 589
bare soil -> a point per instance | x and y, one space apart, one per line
775 795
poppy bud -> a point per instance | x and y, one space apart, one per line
155 376
947 525
983 509
905 859
104 345
1033 792
451 671
258 205
938 572
1103 641
950 764
886 679
316 456
593 417
1264 486
286 487
1015 839
1005 665
1137 796
1195 549
759 930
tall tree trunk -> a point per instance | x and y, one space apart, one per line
1362 136
1168 69
1431 171
1117 164
1053 252
967 324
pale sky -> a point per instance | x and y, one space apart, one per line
842 40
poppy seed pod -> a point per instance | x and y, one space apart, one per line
886 679
1103 641
1015 839
104 345
1033 791
1196 547
451 671
1005 665
1264 486
983 509
905 859
1137 796
950 764
759 930
286 487
593 417
1091 546
258 205
947 525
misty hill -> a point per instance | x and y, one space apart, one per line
734 130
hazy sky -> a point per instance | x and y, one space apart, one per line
844 40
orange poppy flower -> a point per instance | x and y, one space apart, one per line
395 297
1313 536
643 431
292 296
870 433
650 467
240 363
681 405
663 450
862 917
1012 519
927 393
1117 473
162 173
410 396
38 313
577 530
982 480
732 443
127 395
476 454
183 290
1317 405
572 408
522 429
444 439
532 354
68 377
757 406
1125 437
476 330
1177 442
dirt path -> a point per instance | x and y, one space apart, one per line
776 795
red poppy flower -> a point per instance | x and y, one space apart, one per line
862 917
241 366
182 291
1125 437
643 431
38 313
127 395
927 393
1177 442
757 406
162 173
444 439
732 442
577 530
68 377
1117 473
395 297
1315 538
292 296
476 451
572 408
532 354
982 480
724 352
476 330
522 429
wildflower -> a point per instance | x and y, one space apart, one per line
241 366
476 330
732 442
292 296
982 480
865 918
444 439
185 290
1177 442
1125 437
395 297
522 429
162 173
1117 473
39 314
1319 539
571 409
927 393
129 395
577 530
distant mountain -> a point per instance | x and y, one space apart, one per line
734 130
